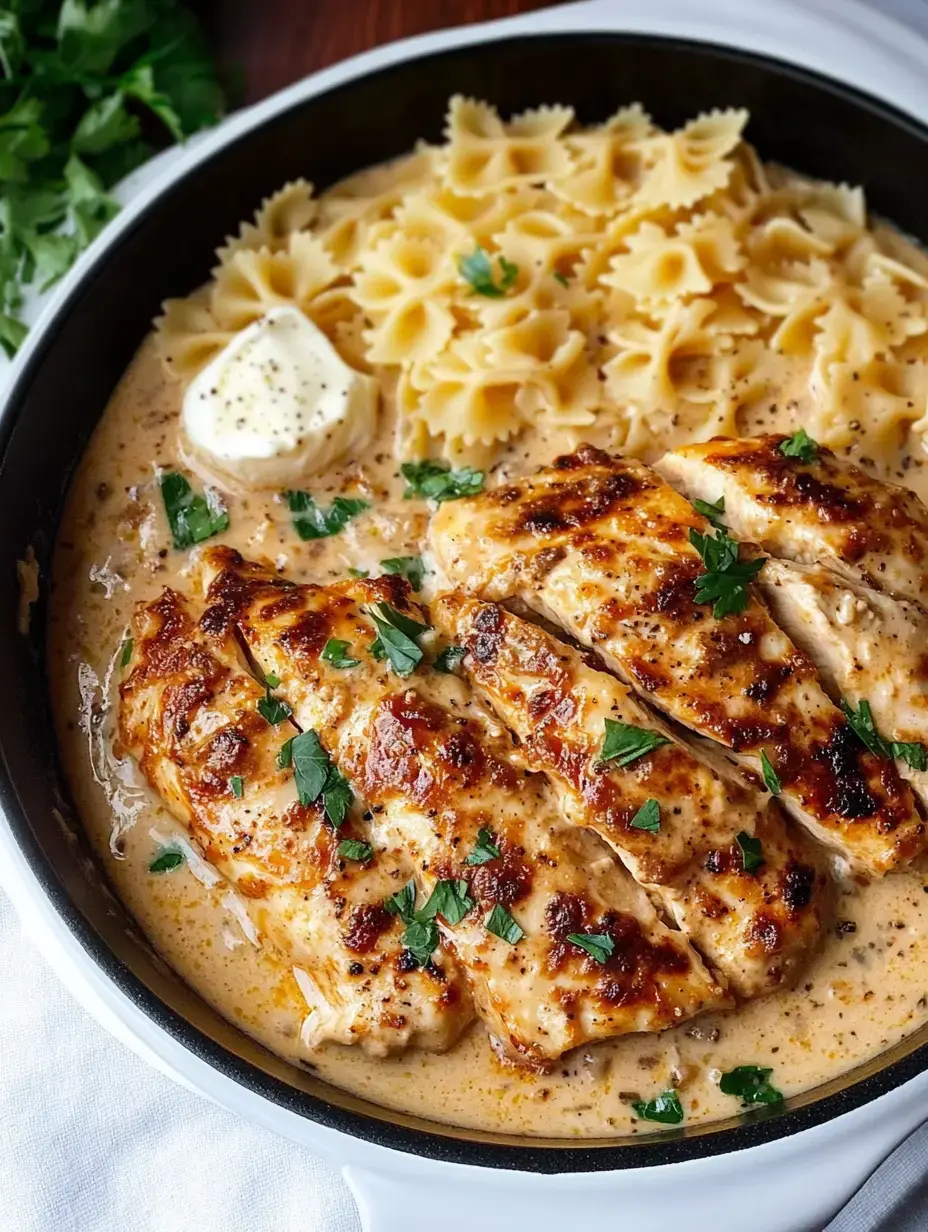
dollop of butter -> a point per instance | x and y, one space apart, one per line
277 404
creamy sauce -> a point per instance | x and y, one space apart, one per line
864 992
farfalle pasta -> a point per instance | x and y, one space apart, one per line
631 285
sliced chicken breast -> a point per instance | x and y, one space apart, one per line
826 511
508 888
189 715
601 546
676 824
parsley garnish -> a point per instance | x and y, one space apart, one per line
403 902
561 278
80 83
397 640
449 658
597 945
752 854
449 899
334 652
484 849
167 859
125 653
725 582
912 753
666 1109
800 445
237 783
624 743
436 481
273 710
501 924
712 511
409 567
285 754
358 573
648 817
749 1083
272 680
192 518
355 849
477 269
311 521
771 778
421 935
316 776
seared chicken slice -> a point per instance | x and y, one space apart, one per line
436 772
826 511
189 716
870 649
673 821
601 546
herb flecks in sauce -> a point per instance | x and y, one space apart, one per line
312 521
192 518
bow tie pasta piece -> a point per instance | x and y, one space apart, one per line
250 283
187 336
685 166
485 155
660 267
608 163
292 208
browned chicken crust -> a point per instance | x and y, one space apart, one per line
600 545
435 770
756 927
189 715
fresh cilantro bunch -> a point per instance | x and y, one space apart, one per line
89 89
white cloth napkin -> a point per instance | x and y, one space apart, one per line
93 1140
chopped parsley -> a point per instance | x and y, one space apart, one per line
624 743
311 521
335 652
561 278
273 709
397 638
421 936
355 849
912 753
771 778
125 653
800 445
192 518
725 582
477 269
409 567
272 680
237 783
449 658
750 1084
752 854
403 902
358 573
285 754
167 859
597 945
316 777
449 899
648 817
431 480
484 849
665 1108
501 924
712 511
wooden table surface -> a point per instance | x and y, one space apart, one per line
275 42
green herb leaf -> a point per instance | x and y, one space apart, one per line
311 521
125 653
316 776
725 582
501 924
167 859
449 899
561 278
436 481
403 902
752 853
771 778
598 945
285 754
449 659
191 518
800 445
665 1108
104 124
409 567
484 849
712 511
273 710
421 939
139 83
624 743
648 817
477 269
912 753
237 783
23 140
272 680
335 652
337 797
355 849
397 638
359 573
750 1084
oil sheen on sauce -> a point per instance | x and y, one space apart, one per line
864 991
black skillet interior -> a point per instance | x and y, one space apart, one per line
803 121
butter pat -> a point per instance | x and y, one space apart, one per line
277 405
